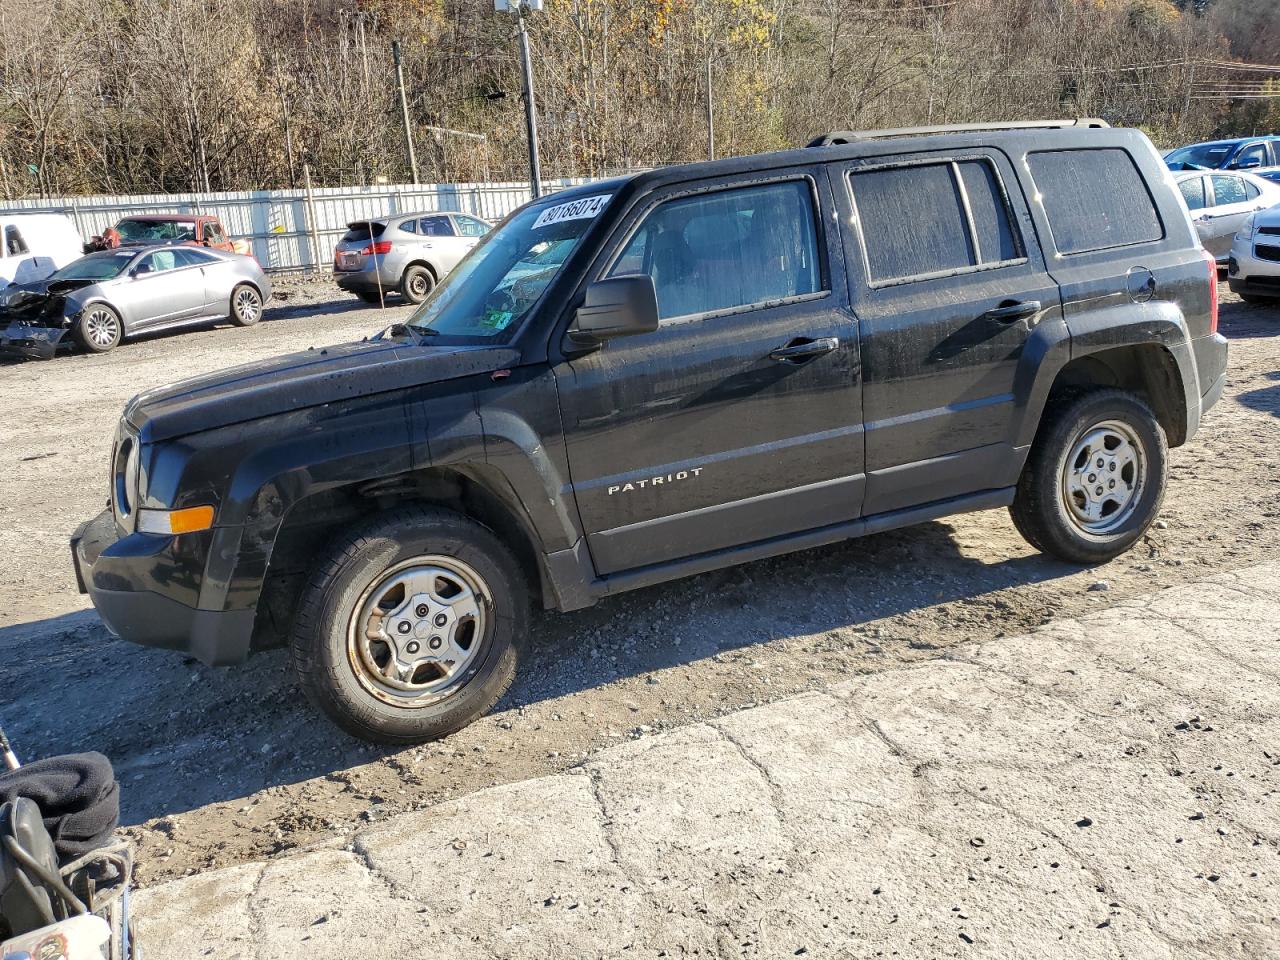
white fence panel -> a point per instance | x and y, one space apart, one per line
290 231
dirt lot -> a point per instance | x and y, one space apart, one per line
221 766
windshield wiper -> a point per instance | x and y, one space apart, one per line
424 331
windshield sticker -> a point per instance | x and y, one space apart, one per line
584 209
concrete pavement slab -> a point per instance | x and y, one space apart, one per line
1103 787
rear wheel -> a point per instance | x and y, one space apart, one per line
416 283
246 306
409 629
1095 477
99 328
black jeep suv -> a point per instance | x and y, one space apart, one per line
654 376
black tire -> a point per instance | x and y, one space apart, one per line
326 650
246 305
416 283
1043 509
99 329
370 296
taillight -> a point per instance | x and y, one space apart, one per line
1213 290
382 246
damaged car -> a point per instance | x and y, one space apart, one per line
98 300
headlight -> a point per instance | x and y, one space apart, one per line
126 461
1247 228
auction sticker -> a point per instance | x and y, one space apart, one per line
584 209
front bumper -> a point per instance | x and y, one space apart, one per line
31 343
145 588
1250 274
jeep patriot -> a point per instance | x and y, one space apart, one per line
733 360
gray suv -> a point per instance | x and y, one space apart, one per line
405 254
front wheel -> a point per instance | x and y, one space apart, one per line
410 628
1095 478
246 306
99 328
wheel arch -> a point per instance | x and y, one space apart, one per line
1149 370
475 491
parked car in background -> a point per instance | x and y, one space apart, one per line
106 296
1220 203
202 230
406 254
1243 153
1253 271
34 245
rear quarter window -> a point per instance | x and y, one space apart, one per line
1095 199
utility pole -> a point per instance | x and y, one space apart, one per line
518 7
404 109
711 119
530 115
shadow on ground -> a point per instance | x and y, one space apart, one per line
182 735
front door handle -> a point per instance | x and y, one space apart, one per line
802 349
1008 313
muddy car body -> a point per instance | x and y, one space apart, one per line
736 359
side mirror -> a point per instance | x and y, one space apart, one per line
616 307
1249 165
141 270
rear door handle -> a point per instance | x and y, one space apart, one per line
802 349
1008 313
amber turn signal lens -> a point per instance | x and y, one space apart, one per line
172 522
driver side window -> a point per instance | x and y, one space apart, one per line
732 248
159 261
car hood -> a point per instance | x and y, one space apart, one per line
1268 218
298 380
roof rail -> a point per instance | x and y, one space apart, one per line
838 137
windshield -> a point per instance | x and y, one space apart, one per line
1205 156
156 231
102 267
497 284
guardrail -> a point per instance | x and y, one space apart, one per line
294 230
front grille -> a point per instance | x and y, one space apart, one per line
1269 231
1267 252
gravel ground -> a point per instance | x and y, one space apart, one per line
223 766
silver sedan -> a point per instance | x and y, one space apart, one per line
104 297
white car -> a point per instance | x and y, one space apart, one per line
1254 268
1219 202
34 245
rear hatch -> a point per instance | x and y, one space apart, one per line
356 249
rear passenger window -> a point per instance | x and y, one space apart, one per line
932 219
1228 190
1193 192
1251 191
435 227
732 248
1095 199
